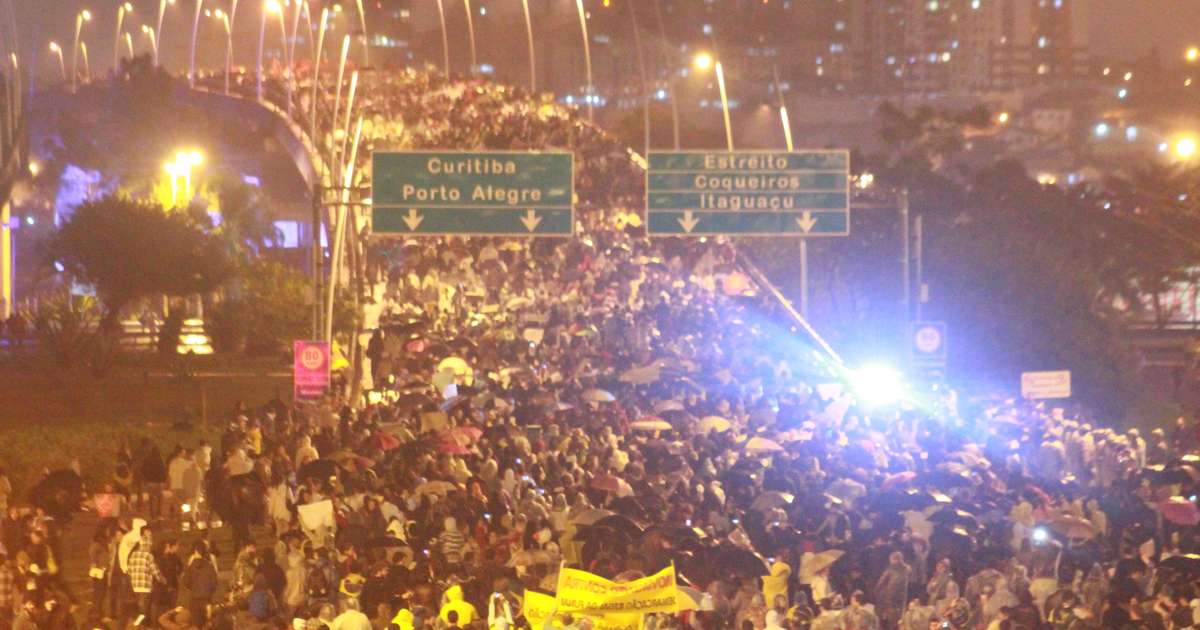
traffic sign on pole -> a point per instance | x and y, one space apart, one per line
1044 385
487 193
929 343
748 193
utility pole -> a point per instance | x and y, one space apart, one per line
905 257
919 237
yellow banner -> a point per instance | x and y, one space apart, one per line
539 607
580 591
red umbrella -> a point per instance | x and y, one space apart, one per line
607 483
453 448
1180 511
383 441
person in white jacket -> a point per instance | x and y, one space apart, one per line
499 612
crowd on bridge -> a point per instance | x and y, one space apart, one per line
618 405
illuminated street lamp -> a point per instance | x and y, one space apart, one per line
270 7
471 34
587 57
224 19
128 43
62 66
1192 54
87 65
153 38
445 39
529 36
80 18
703 62
192 53
121 11
162 9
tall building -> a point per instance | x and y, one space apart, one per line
937 46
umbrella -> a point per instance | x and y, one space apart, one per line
739 561
628 506
650 423
1188 564
598 395
952 518
454 364
642 375
762 445
321 469
620 523
437 486
1072 526
346 459
452 448
1180 511
713 423
518 303
668 405
382 441
771 500
589 516
531 557
607 483
687 598
813 563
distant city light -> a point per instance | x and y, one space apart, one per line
1122 93
1102 130
1131 133
1003 118
703 61
1128 76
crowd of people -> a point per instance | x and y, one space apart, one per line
620 405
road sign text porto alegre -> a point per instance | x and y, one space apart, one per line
748 193
488 193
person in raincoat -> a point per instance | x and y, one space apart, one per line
452 600
777 582
891 590
500 615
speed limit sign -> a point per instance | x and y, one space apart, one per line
929 343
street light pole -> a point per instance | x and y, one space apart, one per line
587 57
529 36
637 44
312 105
471 35
80 18
362 20
121 11
220 15
150 34
162 9
192 54
445 39
725 105
129 44
62 66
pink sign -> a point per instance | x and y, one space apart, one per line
310 369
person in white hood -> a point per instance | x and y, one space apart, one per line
129 542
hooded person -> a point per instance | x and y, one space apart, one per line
129 542
452 600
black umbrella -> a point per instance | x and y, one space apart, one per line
1185 564
943 479
622 524
951 517
321 469
59 493
901 501
630 507
738 561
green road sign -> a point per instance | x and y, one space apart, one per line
748 193
486 193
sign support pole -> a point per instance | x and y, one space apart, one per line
804 277
315 237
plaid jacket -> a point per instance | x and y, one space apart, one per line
143 571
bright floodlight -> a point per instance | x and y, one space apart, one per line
128 7
703 62
273 6
1193 54
1040 535
1186 148
877 384
195 158
86 15
54 47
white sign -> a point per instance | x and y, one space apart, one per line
1041 385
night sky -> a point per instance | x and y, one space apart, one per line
1121 29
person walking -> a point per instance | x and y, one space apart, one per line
144 576
200 579
891 590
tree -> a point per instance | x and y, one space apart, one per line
129 249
